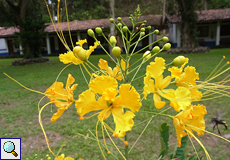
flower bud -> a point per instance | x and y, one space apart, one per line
167 46
119 25
156 31
149 27
130 18
116 51
90 32
142 29
112 40
179 60
156 49
125 29
98 30
142 34
119 18
147 55
165 39
111 20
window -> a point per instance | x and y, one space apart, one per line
224 30
203 31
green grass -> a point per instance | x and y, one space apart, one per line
19 113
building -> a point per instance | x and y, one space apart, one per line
9 44
213 28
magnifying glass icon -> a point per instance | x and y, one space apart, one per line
9 147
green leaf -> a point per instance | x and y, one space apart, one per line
164 137
180 150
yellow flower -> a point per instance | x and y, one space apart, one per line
62 157
115 72
78 55
158 83
62 98
110 102
190 120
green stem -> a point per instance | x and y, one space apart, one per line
146 127
126 148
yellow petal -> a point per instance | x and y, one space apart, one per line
104 114
81 42
57 115
69 58
69 81
175 72
156 68
128 98
190 75
123 122
109 94
165 82
68 158
103 64
87 103
149 86
157 101
61 157
101 83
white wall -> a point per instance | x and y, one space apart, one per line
3 47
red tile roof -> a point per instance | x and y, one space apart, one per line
206 15
153 20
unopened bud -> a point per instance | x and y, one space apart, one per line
142 29
142 34
98 30
116 51
149 27
119 18
167 46
156 49
178 61
119 25
112 40
125 29
156 31
147 55
165 39
90 32
79 53
111 20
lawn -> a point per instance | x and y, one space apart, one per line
19 112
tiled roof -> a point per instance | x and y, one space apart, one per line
206 15
153 20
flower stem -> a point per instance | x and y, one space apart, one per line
126 148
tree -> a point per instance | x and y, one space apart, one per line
185 10
27 16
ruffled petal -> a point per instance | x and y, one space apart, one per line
109 94
190 75
69 58
165 82
175 72
69 81
128 98
87 103
101 83
156 68
123 122
61 157
81 42
57 115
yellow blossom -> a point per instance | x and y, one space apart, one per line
158 84
78 54
111 101
62 157
189 120
62 98
115 72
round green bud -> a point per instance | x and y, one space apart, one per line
116 51
98 30
156 49
165 39
142 34
125 29
167 46
142 29
112 40
111 20
119 18
90 32
145 21
148 28
119 25
130 18
147 55
156 31
178 61
82 54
